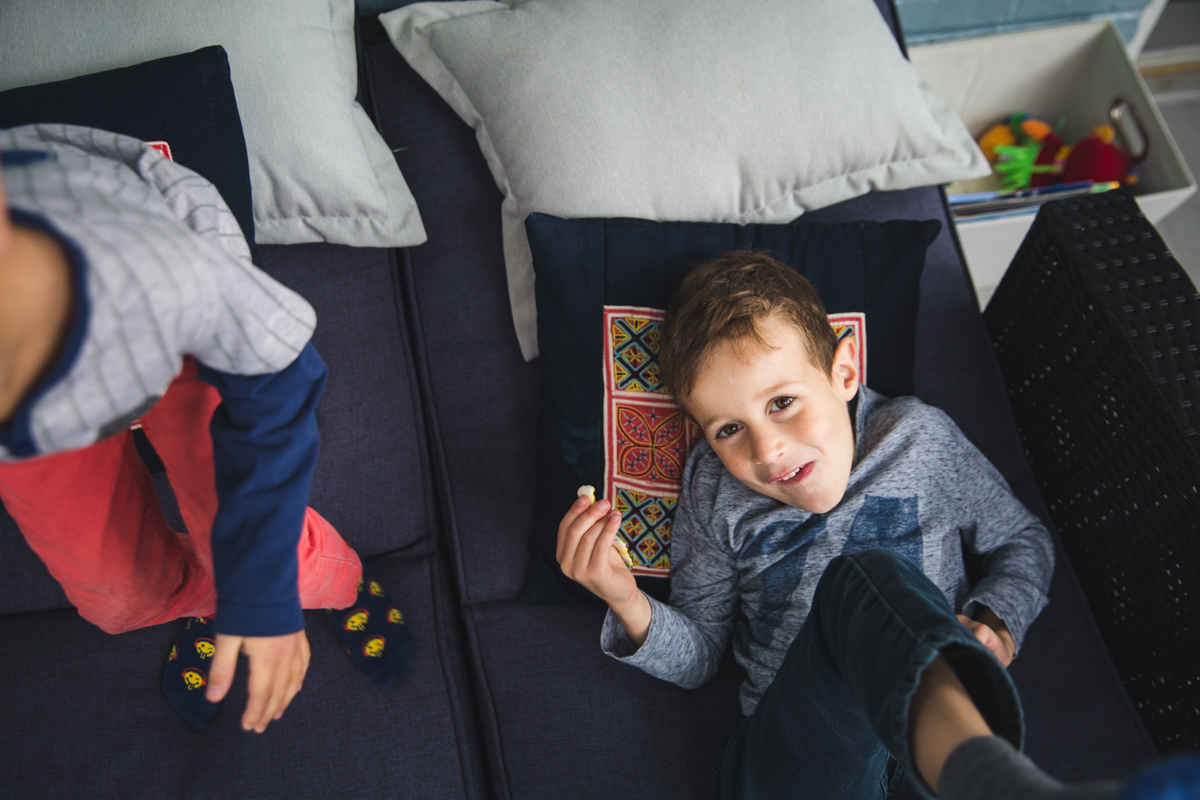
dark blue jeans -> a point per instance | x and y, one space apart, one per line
839 703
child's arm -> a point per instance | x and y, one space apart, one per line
586 554
682 642
1018 553
264 450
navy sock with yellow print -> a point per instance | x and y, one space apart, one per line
185 677
374 634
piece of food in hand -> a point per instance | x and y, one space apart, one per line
621 547
589 492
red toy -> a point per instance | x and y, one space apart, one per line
1096 158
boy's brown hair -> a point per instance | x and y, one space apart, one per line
725 300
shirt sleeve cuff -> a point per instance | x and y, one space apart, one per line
256 619
1018 615
615 641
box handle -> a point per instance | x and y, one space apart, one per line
1130 130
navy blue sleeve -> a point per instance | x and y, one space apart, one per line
264 449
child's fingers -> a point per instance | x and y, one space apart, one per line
594 561
578 507
224 664
259 689
602 548
299 669
589 542
280 695
573 535
277 665
988 638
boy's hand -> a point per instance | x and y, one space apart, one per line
277 668
993 634
586 553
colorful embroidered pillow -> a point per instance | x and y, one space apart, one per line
606 418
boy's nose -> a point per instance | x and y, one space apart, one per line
766 449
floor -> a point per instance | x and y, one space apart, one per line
1170 64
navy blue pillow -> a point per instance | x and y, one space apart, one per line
186 101
599 388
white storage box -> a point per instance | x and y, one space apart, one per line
1074 72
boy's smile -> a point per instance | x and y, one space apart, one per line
779 424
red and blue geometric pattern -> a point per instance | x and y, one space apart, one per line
650 444
647 437
634 345
646 528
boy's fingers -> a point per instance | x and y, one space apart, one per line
277 669
224 664
293 689
604 542
576 539
992 641
589 545
299 669
259 687
276 702
578 507
987 637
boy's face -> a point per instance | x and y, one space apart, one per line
779 424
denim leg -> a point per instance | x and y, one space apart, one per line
839 703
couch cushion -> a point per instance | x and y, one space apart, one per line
371 481
85 715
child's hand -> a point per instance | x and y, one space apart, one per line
586 553
993 634
277 668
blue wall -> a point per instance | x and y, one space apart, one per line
935 20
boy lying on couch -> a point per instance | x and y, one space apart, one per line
821 525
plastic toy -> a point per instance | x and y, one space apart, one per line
1026 152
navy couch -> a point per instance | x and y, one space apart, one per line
427 468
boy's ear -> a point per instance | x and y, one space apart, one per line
845 368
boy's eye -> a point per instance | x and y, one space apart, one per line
780 403
728 430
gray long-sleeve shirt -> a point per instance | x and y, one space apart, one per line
918 488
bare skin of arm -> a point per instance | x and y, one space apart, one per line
35 308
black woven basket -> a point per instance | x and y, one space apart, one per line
1095 327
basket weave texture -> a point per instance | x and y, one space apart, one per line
1095 327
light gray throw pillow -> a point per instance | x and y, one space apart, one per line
695 110
319 171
